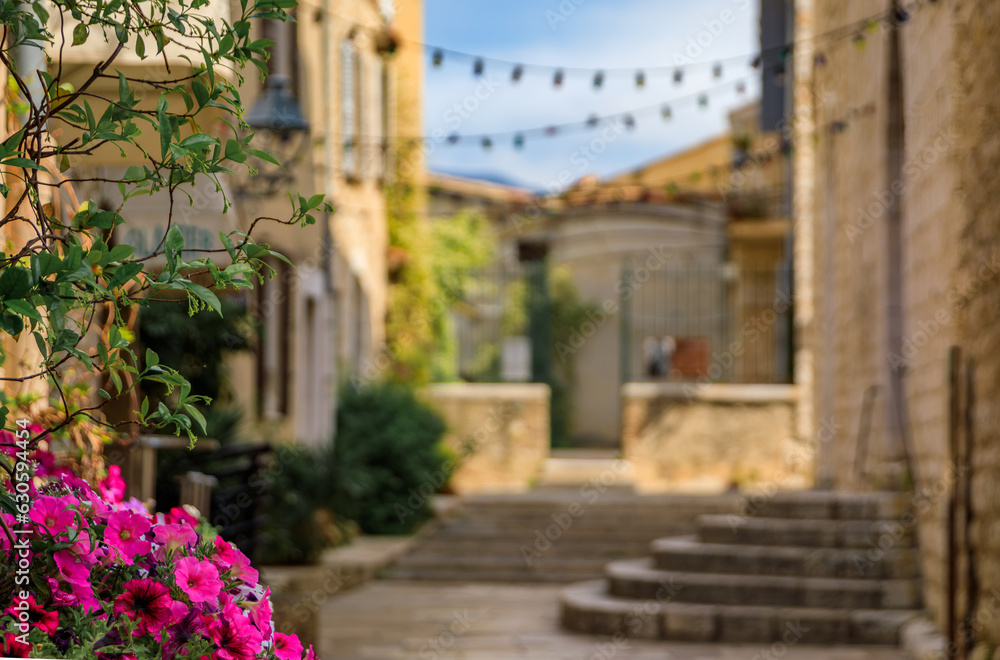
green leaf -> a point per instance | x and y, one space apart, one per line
14 283
24 308
120 253
235 152
152 359
198 417
124 273
24 163
140 48
103 394
198 141
12 324
263 155
80 33
205 295
200 92
173 245
165 127
102 220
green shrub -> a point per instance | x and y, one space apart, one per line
387 455
301 523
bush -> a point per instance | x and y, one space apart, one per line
301 523
386 452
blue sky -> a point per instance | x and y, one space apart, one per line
602 34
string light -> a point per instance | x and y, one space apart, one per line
437 58
640 79
598 79
678 76
666 112
516 74
557 78
477 67
717 71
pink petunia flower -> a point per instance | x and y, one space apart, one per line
260 611
310 654
52 513
173 537
148 603
11 648
223 553
124 535
287 647
181 515
235 638
71 568
112 487
37 616
241 568
198 579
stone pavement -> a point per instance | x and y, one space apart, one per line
400 620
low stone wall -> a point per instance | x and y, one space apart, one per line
710 438
499 433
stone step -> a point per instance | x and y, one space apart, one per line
686 554
529 563
595 501
865 534
590 530
495 575
442 546
638 579
588 608
827 505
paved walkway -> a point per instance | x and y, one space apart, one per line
395 620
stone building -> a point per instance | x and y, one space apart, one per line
354 69
894 125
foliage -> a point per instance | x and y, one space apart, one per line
462 246
389 444
108 580
301 521
197 345
59 276
412 324
568 314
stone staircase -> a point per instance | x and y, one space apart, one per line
811 568
558 535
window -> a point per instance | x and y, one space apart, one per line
351 119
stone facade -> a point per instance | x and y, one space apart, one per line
498 434
901 190
709 438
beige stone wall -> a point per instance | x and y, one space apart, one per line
846 219
498 433
686 438
976 285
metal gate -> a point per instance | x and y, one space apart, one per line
707 322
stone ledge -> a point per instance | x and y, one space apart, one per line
712 392
505 391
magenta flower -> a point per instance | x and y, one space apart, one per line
37 617
148 603
71 568
113 486
124 535
198 579
287 647
173 537
223 554
260 611
235 638
310 654
11 648
241 568
51 513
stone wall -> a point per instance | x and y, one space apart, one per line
852 193
498 433
690 438
976 284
